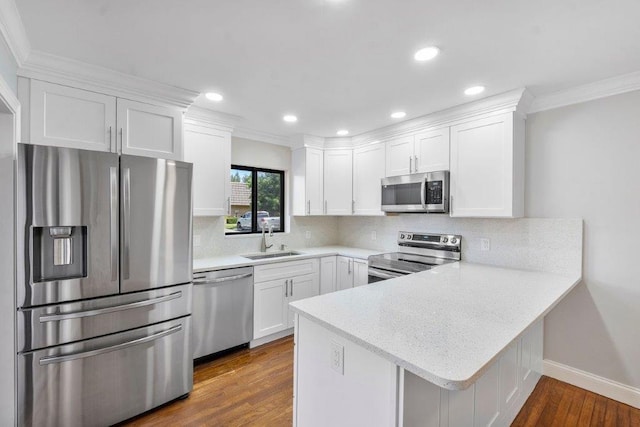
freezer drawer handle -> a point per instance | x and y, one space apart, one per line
112 309
204 281
59 359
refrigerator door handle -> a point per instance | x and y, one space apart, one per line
73 356
88 313
126 217
113 212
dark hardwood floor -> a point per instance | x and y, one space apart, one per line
254 387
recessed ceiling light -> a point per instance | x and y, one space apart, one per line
398 115
474 90
213 96
342 132
290 118
427 53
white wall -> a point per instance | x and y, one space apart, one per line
8 66
213 242
584 161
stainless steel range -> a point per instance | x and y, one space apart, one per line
416 252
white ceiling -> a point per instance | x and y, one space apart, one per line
342 63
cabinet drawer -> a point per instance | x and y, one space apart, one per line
285 269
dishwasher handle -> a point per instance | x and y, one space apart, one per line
206 281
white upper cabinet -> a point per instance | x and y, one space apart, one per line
210 152
400 156
308 181
487 167
431 151
149 130
338 182
368 170
62 116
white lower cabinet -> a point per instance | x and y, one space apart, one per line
351 272
275 286
362 388
360 272
328 279
269 308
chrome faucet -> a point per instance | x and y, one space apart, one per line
264 246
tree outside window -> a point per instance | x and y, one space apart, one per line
256 206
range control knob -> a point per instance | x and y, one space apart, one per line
454 240
409 236
402 236
445 240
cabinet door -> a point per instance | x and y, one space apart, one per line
210 152
482 168
338 182
360 272
301 287
269 308
150 130
328 274
368 170
400 156
344 273
314 184
432 151
61 116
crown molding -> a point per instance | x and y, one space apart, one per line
66 71
257 135
213 119
587 92
12 29
517 100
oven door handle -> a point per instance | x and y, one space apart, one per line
383 274
423 189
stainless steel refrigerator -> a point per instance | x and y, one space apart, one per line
103 285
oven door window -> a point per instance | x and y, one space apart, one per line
402 194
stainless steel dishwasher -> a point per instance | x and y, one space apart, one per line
222 310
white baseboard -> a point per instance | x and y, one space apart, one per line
272 337
603 386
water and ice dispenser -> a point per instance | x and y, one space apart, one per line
59 253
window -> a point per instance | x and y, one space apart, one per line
257 200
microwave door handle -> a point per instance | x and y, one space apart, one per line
423 189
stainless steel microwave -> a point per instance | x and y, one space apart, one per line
418 192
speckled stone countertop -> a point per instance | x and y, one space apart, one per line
232 261
446 325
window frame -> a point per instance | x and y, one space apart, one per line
254 199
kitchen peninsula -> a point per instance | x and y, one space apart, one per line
457 345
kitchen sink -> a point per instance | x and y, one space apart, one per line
272 255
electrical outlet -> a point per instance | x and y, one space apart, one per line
374 235
485 245
196 240
337 357
307 235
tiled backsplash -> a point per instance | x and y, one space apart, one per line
323 231
543 244
553 245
